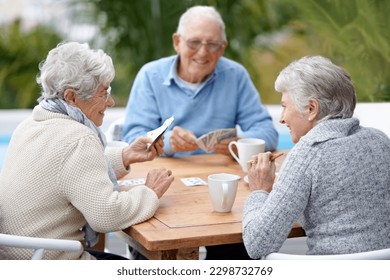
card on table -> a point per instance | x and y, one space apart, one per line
193 181
132 182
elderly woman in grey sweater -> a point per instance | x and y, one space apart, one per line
335 181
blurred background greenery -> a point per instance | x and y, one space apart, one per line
263 35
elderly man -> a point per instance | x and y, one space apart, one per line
201 89
204 92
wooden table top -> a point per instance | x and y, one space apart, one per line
185 218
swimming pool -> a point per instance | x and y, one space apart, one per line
285 141
4 140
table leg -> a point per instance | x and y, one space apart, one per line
100 246
180 254
174 254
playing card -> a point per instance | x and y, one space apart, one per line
202 142
156 133
193 181
207 141
226 133
132 182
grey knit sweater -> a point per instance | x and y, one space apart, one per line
336 182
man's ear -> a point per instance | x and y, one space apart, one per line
70 97
223 47
176 41
314 109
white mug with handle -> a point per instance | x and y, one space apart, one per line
246 147
223 190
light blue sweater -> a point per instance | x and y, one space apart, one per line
227 98
336 181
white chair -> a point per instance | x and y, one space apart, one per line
383 254
39 244
114 131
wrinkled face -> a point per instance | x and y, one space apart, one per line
299 123
95 107
197 63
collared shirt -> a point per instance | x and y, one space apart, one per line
226 99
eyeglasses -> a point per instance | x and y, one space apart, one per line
196 44
107 96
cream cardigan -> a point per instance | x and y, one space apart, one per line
55 179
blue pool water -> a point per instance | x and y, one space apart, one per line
4 140
284 143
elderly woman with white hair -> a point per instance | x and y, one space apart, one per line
58 180
336 179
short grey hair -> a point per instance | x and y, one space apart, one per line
73 65
318 78
197 13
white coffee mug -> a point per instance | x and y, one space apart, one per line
222 191
246 147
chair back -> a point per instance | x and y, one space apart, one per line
39 244
383 254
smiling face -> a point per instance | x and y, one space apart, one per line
299 123
93 107
195 65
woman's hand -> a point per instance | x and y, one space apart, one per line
159 180
261 172
138 150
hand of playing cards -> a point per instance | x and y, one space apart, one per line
207 141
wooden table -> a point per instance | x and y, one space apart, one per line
185 219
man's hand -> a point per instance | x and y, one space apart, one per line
183 140
222 147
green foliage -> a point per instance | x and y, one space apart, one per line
140 31
355 35
21 53
135 32
246 21
263 35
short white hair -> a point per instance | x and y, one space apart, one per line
73 65
318 78
198 13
